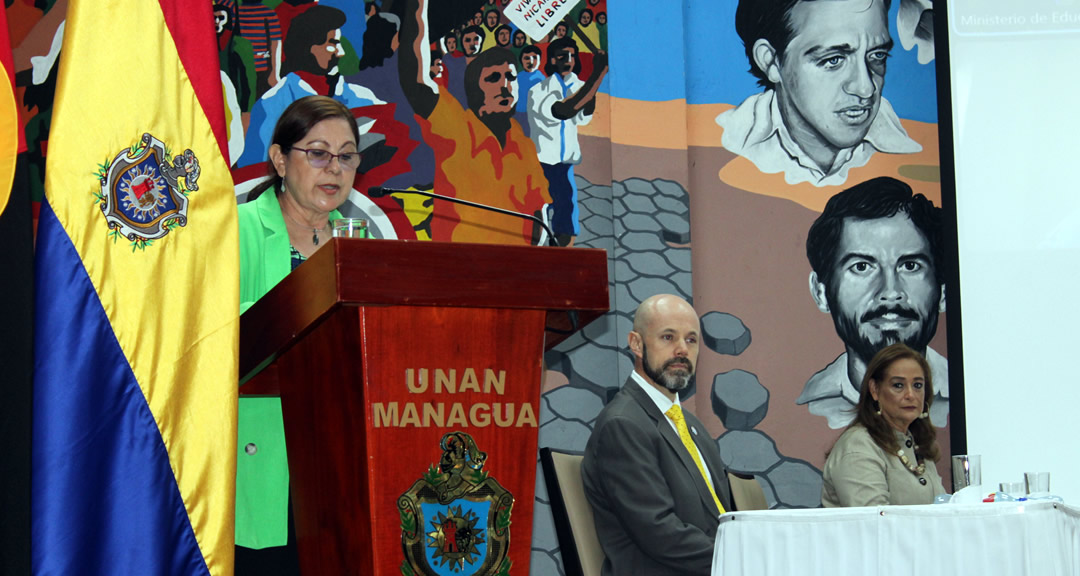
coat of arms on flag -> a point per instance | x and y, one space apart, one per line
144 190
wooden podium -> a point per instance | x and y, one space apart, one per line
410 378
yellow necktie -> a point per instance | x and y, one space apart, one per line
676 415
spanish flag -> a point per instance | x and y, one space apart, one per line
135 370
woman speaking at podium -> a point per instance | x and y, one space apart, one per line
887 455
313 159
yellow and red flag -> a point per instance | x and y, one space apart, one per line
135 375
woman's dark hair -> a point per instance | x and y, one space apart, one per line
295 123
880 430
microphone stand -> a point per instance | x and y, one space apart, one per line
379 192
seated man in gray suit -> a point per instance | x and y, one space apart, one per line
656 503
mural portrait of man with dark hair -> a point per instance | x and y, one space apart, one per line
823 66
481 152
557 106
877 256
472 38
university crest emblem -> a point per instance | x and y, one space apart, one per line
144 191
455 520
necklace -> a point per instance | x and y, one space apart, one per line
314 231
916 470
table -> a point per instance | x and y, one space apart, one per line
1038 538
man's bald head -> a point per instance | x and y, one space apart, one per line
659 305
665 342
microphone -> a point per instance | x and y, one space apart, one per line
379 192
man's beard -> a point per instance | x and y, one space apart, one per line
865 349
672 382
498 123
332 67
487 116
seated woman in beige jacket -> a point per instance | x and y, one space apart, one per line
887 455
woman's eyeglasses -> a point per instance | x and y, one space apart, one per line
321 158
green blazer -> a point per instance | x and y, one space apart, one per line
262 467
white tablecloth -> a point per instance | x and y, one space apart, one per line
1010 539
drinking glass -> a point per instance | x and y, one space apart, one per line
1037 482
966 471
1011 491
350 228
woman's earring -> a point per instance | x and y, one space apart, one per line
926 411
877 408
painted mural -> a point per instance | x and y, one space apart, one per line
444 94
841 97
705 145
728 179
